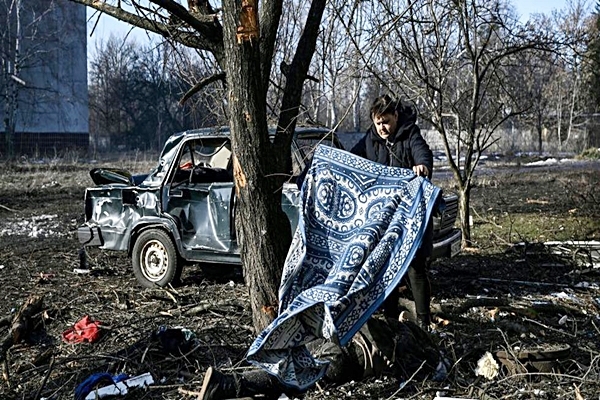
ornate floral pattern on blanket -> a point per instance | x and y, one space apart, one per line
361 225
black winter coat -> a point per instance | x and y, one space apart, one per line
407 148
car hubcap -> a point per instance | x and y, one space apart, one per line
155 260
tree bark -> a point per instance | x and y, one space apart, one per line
465 214
539 128
262 227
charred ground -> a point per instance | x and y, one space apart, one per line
494 296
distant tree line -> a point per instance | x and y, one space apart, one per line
135 92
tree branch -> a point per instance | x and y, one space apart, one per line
208 35
270 15
200 85
206 24
294 80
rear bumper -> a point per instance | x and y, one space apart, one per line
448 246
90 235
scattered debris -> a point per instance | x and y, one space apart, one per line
39 226
525 283
91 382
175 340
218 312
543 358
585 253
487 366
121 388
81 271
450 398
536 201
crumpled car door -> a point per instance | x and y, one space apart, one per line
204 215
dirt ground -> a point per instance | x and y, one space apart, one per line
496 295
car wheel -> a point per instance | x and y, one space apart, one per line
155 259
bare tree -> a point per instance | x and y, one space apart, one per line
533 75
536 79
244 49
593 59
572 24
450 57
21 48
135 90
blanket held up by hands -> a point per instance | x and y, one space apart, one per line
359 228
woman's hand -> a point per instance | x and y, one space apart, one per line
421 170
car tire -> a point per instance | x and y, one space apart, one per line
155 259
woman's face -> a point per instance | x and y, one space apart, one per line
385 124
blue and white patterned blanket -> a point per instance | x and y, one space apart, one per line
360 226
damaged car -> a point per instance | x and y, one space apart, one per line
183 211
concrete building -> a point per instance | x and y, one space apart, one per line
43 87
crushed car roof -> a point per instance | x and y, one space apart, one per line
223 131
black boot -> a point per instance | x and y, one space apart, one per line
259 382
424 322
217 386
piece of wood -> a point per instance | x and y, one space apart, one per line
5 372
203 307
7 208
21 323
39 391
523 283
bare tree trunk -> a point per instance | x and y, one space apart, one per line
11 72
572 109
465 214
538 126
257 189
357 104
559 116
332 120
262 226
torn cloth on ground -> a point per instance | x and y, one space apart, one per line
84 330
360 226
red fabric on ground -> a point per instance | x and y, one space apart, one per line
84 330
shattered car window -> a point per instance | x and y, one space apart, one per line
204 161
212 153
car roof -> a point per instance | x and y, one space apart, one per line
301 132
224 131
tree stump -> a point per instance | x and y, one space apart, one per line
21 323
